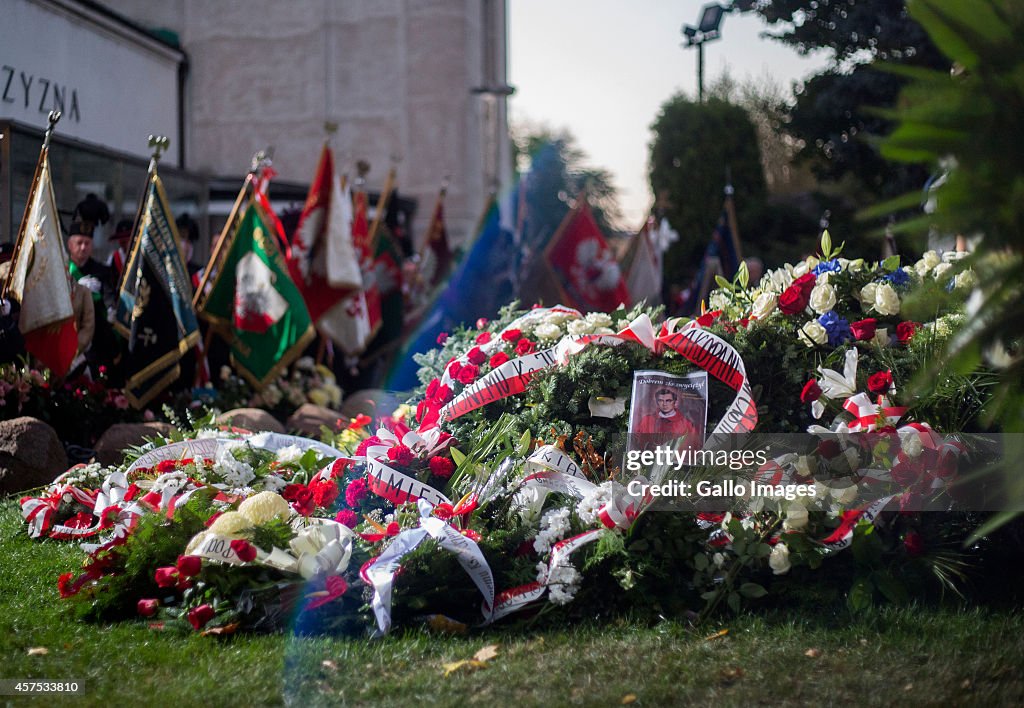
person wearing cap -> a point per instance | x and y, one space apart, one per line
98 279
123 238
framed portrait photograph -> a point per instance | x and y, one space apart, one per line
668 410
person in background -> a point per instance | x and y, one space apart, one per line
105 349
12 344
122 238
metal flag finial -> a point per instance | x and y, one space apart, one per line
51 124
158 144
262 158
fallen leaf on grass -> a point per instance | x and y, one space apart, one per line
446 625
217 631
628 698
38 651
468 664
717 635
814 653
487 653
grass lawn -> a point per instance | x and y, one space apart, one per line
916 655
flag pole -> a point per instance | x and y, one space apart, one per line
51 119
159 144
382 205
734 229
433 214
257 160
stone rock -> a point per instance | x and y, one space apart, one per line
252 419
307 419
120 436
31 454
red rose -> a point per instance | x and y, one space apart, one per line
400 454
291 491
476 356
245 551
147 608
498 359
432 388
347 517
864 329
442 395
906 472
806 282
166 466
793 300
442 338
829 448
905 331
811 392
880 382
200 616
189 566
524 346
355 492
913 543
304 503
454 369
512 335
468 374
166 577
483 338
441 467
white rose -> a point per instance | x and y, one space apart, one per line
887 302
799 270
780 279
823 298
939 272
578 327
964 280
557 317
779 559
931 259
548 330
813 333
811 262
599 319
910 442
764 305
846 495
881 337
867 296
796 517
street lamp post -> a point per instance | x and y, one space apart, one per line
707 28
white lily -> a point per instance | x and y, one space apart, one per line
834 385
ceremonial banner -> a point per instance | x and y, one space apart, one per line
642 264
154 304
323 259
255 305
437 242
39 280
584 265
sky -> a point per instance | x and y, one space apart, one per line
602 69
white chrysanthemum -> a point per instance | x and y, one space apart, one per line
965 280
578 327
554 525
230 523
233 471
289 453
719 300
604 330
207 433
599 319
263 507
548 330
592 502
274 483
940 271
562 582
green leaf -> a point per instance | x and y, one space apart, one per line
752 590
892 589
861 595
457 457
891 263
700 562
826 245
723 283
743 275
734 602
524 444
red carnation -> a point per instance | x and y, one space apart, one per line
905 331
189 566
864 329
880 382
511 335
476 356
468 374
365 445
347 517
325 492
811 392
147 608
200 616
524 346
498 359
245 551
441 467
483 338
166 466
400 454
356 491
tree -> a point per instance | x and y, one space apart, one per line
832 116
697 148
